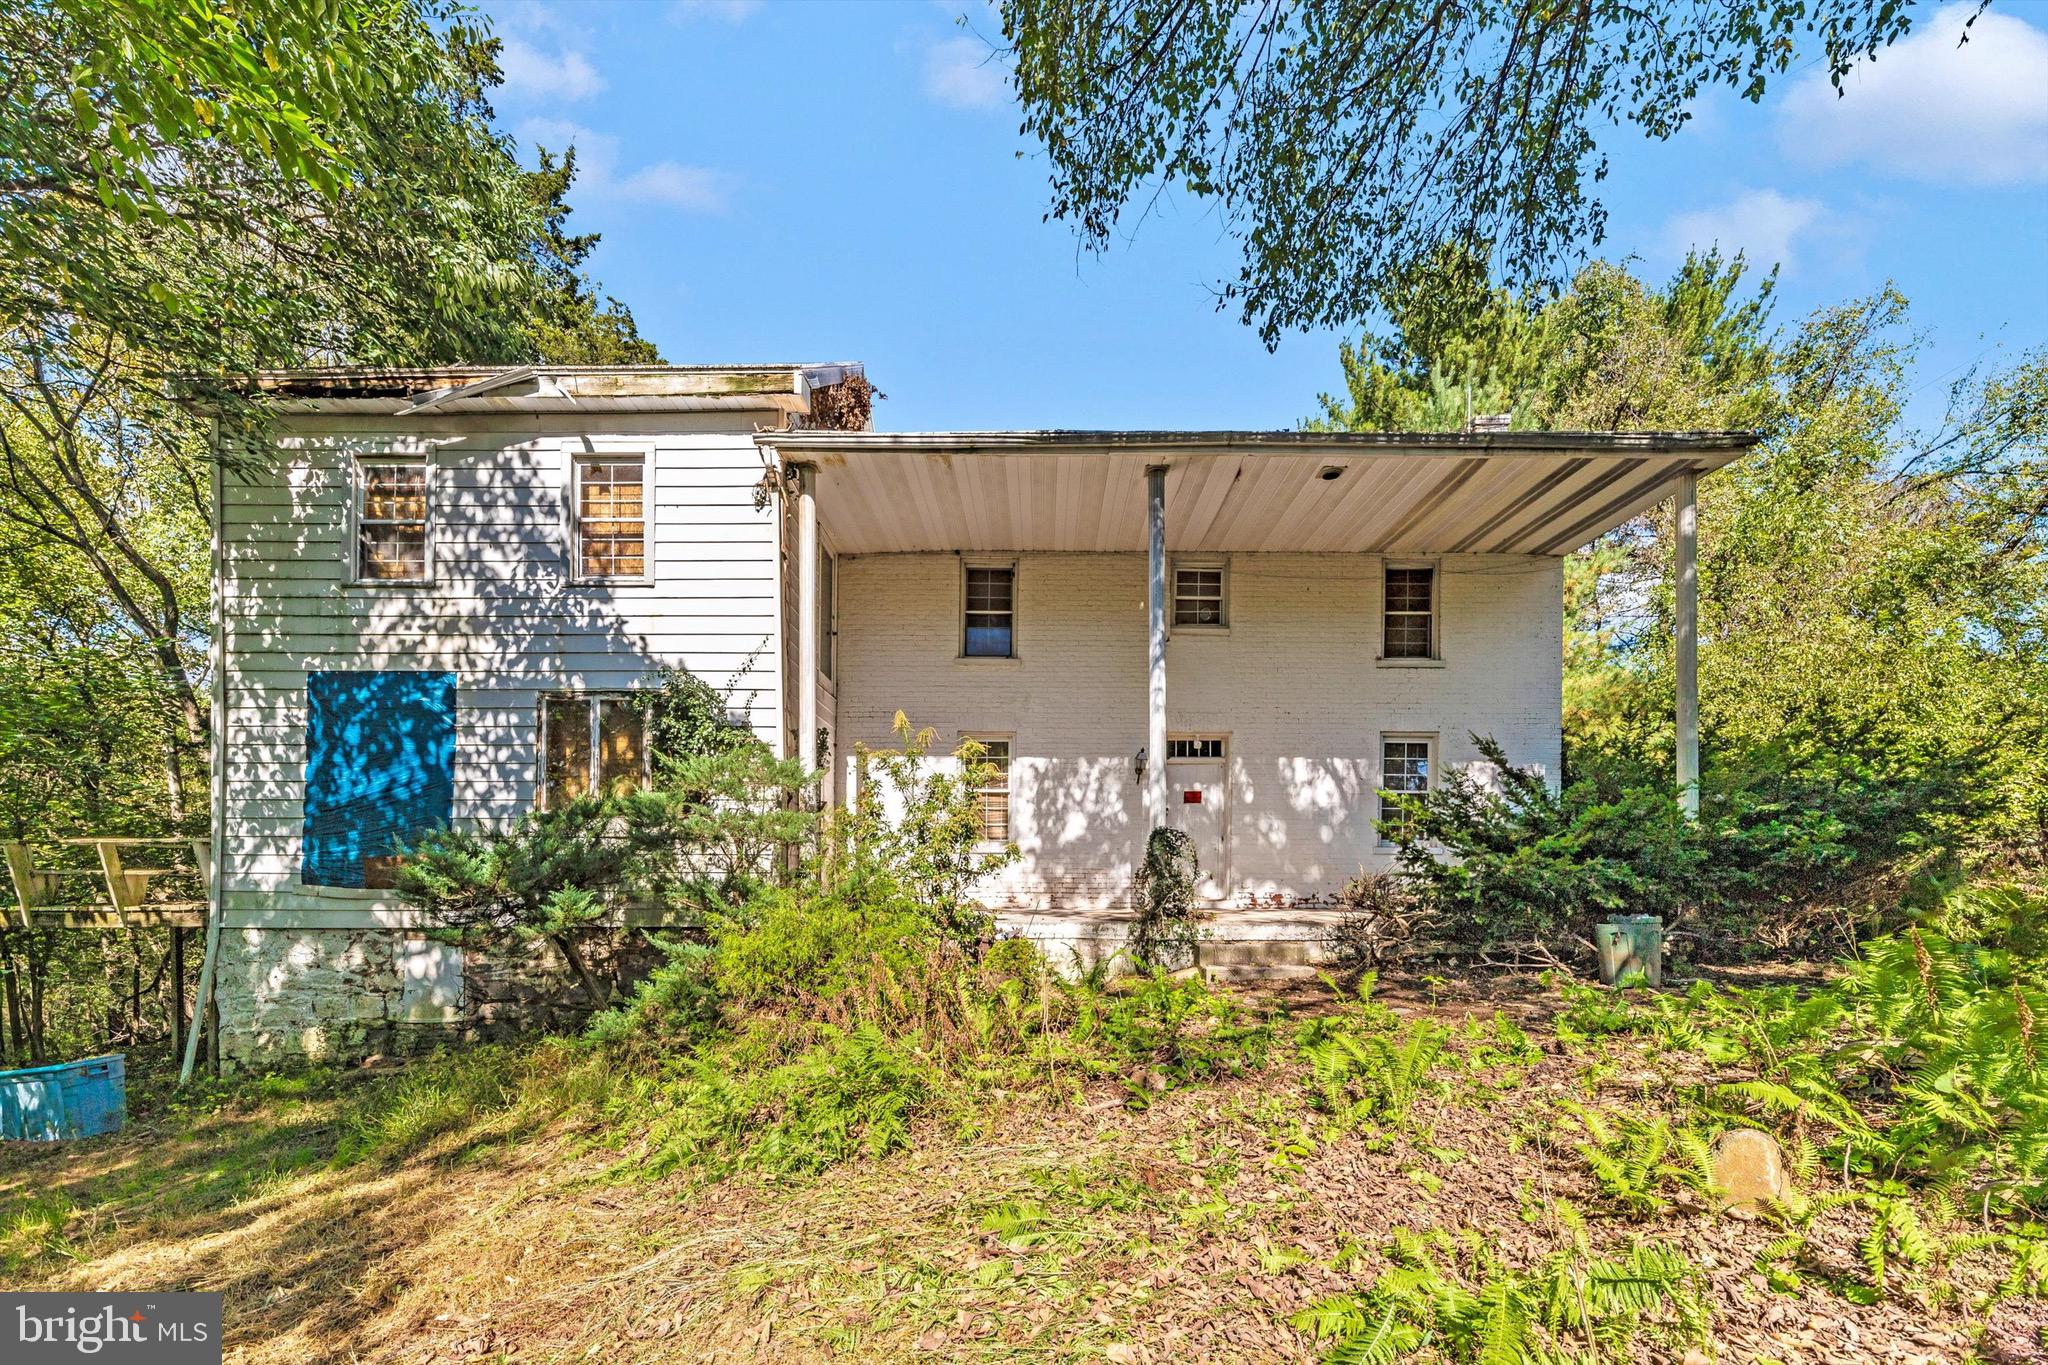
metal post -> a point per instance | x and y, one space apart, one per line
1688 586
1155 607
806 617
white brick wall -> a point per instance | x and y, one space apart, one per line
1293 683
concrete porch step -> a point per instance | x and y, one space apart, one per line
1254 952
1237 973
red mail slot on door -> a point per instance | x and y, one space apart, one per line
1191 798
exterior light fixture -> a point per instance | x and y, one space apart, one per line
1138 762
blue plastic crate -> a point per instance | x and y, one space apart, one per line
86 1098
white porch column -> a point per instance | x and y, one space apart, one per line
1155 608
1688 585
806 617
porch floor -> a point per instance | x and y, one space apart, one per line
1237 943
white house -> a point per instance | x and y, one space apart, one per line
433 604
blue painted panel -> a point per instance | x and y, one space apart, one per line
380 767
67 1100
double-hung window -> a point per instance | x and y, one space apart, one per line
1198 596
611 516
1405 763
990 628
591 744
1410 613
393 520
992 793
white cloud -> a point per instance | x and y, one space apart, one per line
1928 109
535 76
1768 227
693 189
965 73
716 11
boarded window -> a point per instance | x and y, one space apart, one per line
611 518
1411 614
1198 596
992 798
592 739
391 520
380 771
1404 771
991 627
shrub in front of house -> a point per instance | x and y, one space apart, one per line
1511 866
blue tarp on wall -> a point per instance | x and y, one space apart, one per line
380 767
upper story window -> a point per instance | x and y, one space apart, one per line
592 744
1410 613
611 516
990 629
393 527
1198 595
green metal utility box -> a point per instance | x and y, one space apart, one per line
1631 945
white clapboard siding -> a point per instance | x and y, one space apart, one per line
501 613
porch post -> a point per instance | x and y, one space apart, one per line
1155 607
1688 585
806 617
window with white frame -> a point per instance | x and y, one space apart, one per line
1200 748
828 603
992 793
990 628
1405 764
592 744
610 516
393 520
1410 612
1198 596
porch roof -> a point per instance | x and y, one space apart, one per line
1508 492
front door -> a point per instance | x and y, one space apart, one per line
1197 802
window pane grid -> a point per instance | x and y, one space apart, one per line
1194 748
1410 614
993 799
990 612
611 525
391 521
1198 597
1404 770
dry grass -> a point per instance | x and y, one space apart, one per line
1187 1230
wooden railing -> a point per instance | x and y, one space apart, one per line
120 892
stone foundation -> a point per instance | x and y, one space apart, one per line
297 997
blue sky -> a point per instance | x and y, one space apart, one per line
798 180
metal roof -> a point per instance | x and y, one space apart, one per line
1509 492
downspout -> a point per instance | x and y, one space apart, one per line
217 783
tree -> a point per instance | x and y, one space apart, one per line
567 324
1344 143
1871 612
